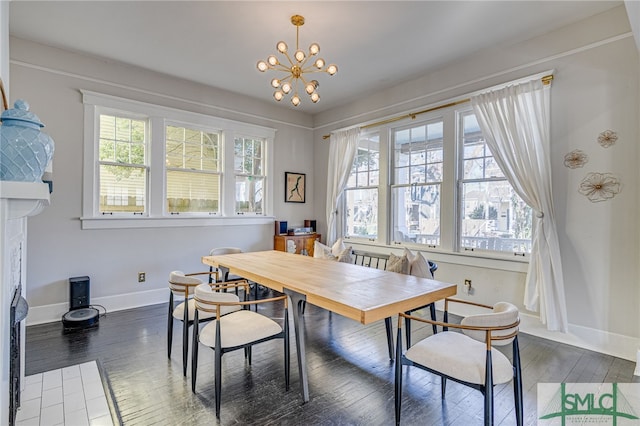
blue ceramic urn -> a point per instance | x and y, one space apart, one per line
25 151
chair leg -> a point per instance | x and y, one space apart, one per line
170 325
287 351
432 308
398 383
185 338
517 383
488 391
389 326
194 351
218 369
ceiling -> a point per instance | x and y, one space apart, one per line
218 43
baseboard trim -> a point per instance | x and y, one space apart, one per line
593 339
617 345
52 313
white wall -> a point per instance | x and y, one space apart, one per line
596 85
50 80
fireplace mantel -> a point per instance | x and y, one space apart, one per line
25 198
18 201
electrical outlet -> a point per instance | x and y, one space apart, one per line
467 287
142 277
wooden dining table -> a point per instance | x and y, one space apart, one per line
363 294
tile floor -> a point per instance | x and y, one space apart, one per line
70 396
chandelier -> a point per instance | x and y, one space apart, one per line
296 69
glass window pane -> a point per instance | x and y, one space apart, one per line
495 218
402 175
361 213
189 192
434 172
416 214
107 150
474 169
249 169
191 149
249 194
122 189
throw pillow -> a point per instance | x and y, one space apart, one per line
322 251
410 257
338 247
398 264
420 267
345 256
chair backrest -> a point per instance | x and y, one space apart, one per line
224 250
503 314
205 298
372 260
179 283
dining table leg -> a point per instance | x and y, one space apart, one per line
297 302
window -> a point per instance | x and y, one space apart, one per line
416 186
147 166
122 164
361 193
249 175
193 170
492 216
433 184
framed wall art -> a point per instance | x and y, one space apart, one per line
294 187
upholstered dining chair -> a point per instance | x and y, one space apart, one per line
182 285
237 330
468 357
219 251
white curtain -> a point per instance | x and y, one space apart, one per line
515 124
342 151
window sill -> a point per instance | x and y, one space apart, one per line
168 222
503 262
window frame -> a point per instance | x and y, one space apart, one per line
219 173
235 174
450 209
159 117
461 180
381 231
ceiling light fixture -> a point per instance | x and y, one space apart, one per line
296 68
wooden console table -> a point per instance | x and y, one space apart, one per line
301 242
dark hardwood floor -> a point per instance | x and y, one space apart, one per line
350 376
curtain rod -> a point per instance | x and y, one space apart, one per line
546 80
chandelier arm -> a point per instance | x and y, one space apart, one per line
313 70
280 67
286 54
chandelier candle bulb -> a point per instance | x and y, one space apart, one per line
296 69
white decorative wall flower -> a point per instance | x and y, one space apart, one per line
607 138
600 186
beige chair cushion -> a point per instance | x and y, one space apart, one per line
503 314
398 264
239 328
206 294
178 312
460 357
176 278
